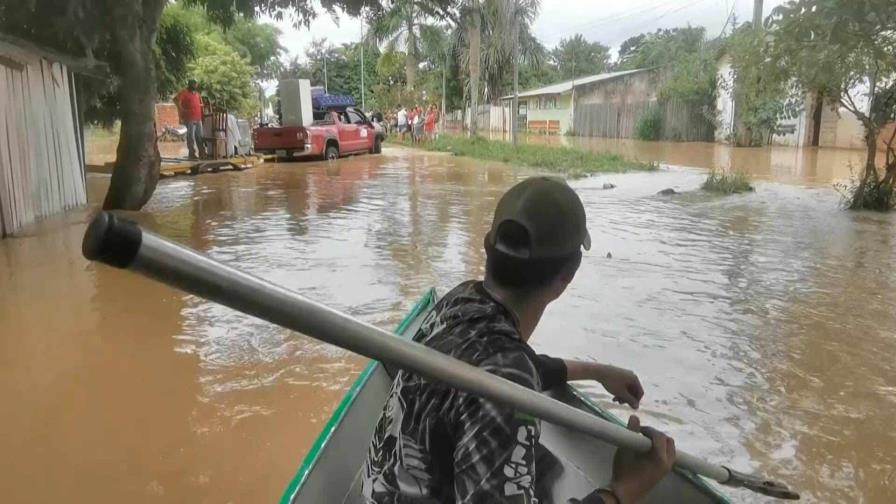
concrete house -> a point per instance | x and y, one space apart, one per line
816 125
609 105
551 109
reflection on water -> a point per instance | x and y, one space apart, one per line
760 325
785 164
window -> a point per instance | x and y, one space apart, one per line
355 117
547 102
322 117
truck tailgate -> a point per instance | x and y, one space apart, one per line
287 137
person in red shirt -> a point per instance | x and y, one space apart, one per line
189 108
429 125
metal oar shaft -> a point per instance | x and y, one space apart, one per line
123 244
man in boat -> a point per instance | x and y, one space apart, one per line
189 108
437 444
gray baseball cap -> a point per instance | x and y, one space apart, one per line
547 213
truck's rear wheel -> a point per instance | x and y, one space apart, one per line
332 153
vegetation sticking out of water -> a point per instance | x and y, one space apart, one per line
649 125
727 182
567 160
877 193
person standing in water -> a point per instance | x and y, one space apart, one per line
189 108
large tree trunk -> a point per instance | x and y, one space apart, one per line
136 173
869 175
410 60
475 34
890 163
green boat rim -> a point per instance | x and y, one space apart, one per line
422 304
699 481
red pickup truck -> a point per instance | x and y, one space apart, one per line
333 133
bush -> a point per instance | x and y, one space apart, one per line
727 183
877 194
649 124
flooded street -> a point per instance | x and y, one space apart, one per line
762 326
811 166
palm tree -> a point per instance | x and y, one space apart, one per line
401 25
493 60
475 32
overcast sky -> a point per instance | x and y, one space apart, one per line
607 21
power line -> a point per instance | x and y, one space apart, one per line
667 13
588 26
728 19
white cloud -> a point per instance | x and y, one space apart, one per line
336 30
611 22
605 21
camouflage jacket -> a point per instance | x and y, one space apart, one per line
435 444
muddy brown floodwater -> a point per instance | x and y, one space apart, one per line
812 166
763 326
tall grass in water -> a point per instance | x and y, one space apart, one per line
727 182
568 160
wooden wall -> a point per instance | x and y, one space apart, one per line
681 121
41 159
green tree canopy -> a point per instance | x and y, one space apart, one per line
757 85
123 33
259 42
175 48
576 57
687 59
661 47
495 43
390 68
343 69
845 50
224 77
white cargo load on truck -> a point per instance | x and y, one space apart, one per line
295 102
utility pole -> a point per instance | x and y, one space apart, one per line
475 33
363 103
326 86
572 96
444 77
514 104
757 14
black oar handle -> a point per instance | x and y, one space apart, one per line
111 240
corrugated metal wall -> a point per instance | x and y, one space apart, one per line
489 118
41 165
681 121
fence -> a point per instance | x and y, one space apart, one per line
41 158
682 121
454 119
489 118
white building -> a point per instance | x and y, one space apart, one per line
816 125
